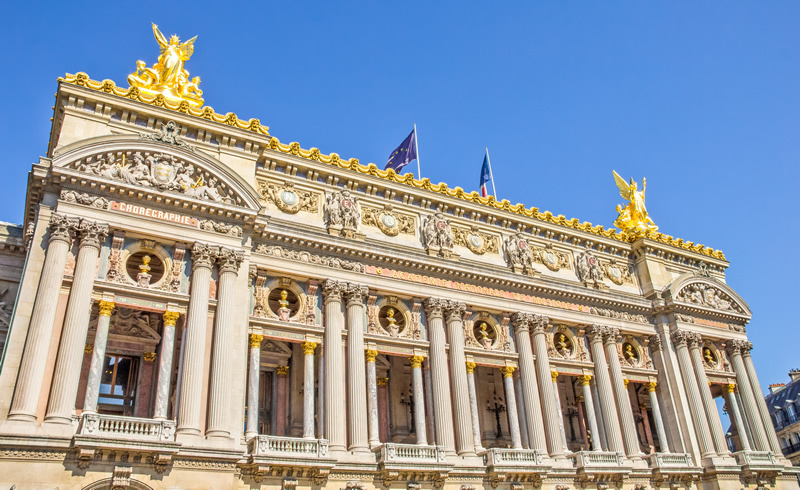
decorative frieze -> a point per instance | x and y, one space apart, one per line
342 214
221 227
589 270
437 236
288 199
520 255
84 198
388 221
475 240
169 134
706 295
307 257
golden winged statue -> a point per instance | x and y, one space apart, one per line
168 76
633 219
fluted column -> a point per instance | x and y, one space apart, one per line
165 365
660 432
455 333
760 442
554 375
546 392
224 338
76 325
473 406
588 404
763 411
733 409
194 359
604 388
335 417
253 379
308 389
356 369
598 410
523 422
372 399
419 400
714 423
439 374
624 409
522 323
40 329
680 339
98 356
511 401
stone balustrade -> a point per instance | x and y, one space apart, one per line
670 460
513 457
287 447
411 454
116 427
590 464
753 461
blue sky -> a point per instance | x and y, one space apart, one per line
702 98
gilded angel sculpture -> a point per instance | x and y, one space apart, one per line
168 76
633 218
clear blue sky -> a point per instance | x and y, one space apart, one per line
702 98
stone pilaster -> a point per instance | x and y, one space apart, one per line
335 416
588 403
624 409
660 432
165 365
681 339
522 323
735 348
253 379
356 372
76 324
733 409
714 423
98 356
224 337
308 389
440 377
596 334
194 358
511 401
40 329
372 398
463 416
473 406
419 400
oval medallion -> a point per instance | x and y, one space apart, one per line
289 198
388 220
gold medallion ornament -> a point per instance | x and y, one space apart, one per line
168 76
633 219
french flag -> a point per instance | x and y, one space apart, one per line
486 175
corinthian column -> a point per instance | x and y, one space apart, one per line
473 406
763 411
588 404
511 400
40 330
253 379
623 401
372 399
419 400
530 388
224 338
735 348
548 396
737 417
335 418
356 373
165 365
98 356
442 407
680 339
714 423
662 435
595 333
76 324
194 358
308 389
455 333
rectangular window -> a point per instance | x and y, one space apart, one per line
118 385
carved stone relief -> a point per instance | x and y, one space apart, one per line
589 270
619 315
484 332
220 227
302 256
84 198
437 236
288 199
343 214
562 343
388 221
617 273
391 318
520 255
702 294
476 241
169 134
551 258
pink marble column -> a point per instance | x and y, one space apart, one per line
146 386
383 409
282 410
87 362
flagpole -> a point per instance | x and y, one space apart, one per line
491 172
416 147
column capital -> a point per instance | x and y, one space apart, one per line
470 367
626 381
748 346
730 387
416 361
522 321
309 347
540 324
684 338
88 349
355 293
371 355
256 339
554 375
454 310
383 381
434 307
736 347
508 371
611 335
283 370
149 356
655 343
651 386
105 307
170 317
203 255
596 333
332 290
62 227
92 233
229 260
585 379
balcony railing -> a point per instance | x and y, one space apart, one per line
287 447
513 457
598 459
114 426
756 458
791 448
786 421
670 460
411 454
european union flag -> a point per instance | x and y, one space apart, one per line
403 154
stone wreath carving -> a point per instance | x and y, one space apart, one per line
343 214
520 255
301 256
158 171
437 236
589 270
701 294
85 199
288 199
551 258
477 242
220 227
389 222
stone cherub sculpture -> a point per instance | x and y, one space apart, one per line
633 218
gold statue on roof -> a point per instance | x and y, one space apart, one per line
168 76
633 219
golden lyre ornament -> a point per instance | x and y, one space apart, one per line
633 219
168 76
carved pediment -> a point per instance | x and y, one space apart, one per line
708 296
131 325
